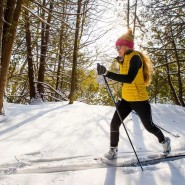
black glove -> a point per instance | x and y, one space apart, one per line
101 69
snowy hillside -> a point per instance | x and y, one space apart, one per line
56 143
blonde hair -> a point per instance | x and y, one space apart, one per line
147 63
147 68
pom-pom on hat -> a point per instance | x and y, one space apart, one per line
126 39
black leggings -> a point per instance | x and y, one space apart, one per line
143 110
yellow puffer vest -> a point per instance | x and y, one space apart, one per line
135 91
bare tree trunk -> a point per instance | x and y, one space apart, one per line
59 60
75 54
177 102
8 39
31 73
8 17
128 14
178 74
1 28
1 33
61 50
135 16
44 49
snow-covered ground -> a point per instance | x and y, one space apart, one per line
56 143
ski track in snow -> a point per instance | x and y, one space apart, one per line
40 164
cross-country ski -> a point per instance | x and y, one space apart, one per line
145 160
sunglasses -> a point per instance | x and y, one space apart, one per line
118 48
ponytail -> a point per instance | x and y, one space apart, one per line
147 68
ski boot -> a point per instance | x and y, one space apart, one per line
112 154
166 146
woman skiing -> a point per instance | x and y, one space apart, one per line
135 74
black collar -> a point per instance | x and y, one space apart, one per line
128 52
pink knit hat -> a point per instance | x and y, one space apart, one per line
126 39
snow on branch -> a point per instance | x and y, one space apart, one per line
42 20
47 85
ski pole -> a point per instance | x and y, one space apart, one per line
175 135
167 131
110 92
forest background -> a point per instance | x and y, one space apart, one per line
49 48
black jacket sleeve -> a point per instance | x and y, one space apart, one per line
135 65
